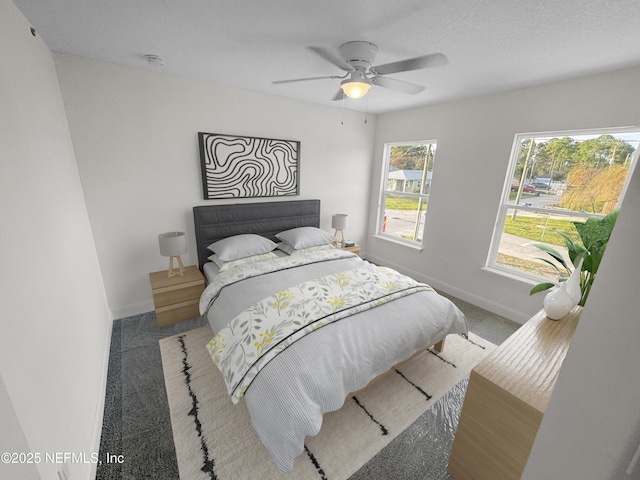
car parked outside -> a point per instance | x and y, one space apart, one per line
527 188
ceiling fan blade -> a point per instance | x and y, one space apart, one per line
339 95
426 61
406 87
332 58
333 77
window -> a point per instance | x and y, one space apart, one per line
407 176
553 180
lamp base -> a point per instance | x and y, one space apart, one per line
172 272
340 238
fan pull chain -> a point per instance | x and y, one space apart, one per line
366 109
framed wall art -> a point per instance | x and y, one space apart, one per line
247 167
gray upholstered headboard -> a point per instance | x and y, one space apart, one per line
215 222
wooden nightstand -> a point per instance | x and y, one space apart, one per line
355 249
176 298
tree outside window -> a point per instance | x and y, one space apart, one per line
555 179
408 173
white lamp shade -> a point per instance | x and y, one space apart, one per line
339 221
355 89
172 244
356 86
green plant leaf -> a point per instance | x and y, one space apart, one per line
541 287
611 218
551 251
546 260
568 241
593 235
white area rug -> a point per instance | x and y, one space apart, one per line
214 439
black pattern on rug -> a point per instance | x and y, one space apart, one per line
208 464
467 338
383 429
315 463
440 357
473 343
426 395
186 369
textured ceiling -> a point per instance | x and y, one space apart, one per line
491 45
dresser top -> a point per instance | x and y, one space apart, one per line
527 364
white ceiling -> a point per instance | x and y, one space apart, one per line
492 45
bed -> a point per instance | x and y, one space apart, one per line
292 372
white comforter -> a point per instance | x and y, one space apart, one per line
287 399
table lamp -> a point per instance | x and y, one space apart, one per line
172 245
339 221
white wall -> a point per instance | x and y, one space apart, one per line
135 138
592 425
54 317
474 143
12 440
134 135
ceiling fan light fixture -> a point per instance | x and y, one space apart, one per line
355 87
357 60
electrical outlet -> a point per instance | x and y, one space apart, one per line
64 473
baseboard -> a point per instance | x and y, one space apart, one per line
99 416
494 307
447 288
132 309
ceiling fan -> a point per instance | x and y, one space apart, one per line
356 59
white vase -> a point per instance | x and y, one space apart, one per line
573 284
558 303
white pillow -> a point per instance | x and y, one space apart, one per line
288 249
303 237
223 266
240 246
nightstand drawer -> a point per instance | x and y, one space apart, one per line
176 313
176 298
171 295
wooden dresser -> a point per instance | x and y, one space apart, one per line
176 298
507 396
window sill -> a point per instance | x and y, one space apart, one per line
397 241
529 281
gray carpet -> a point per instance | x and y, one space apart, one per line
137 425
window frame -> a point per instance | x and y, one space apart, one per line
383 191
504 206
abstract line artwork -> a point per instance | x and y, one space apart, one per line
244 167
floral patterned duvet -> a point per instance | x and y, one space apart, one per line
258 334
266 320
